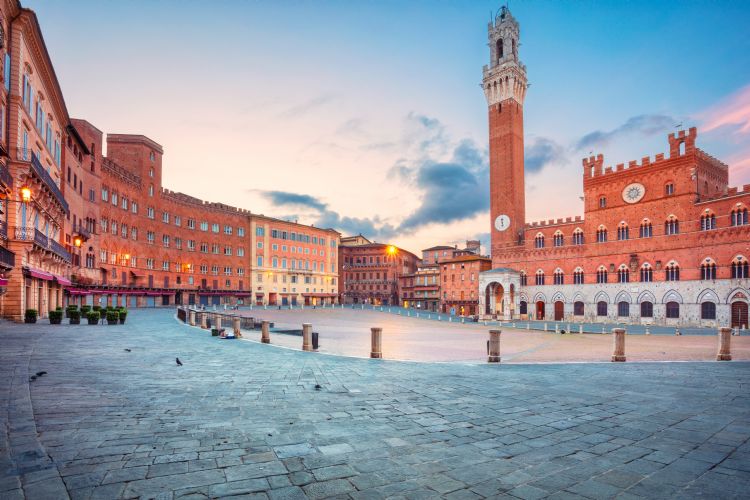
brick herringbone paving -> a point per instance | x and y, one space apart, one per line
241 418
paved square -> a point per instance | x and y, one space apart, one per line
241 419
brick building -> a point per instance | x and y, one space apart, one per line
662 240
459 278
370 272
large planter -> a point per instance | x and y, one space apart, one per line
123 315
215 332
93 317
30 316
75 317
112 317
55 317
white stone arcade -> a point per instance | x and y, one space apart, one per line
498 293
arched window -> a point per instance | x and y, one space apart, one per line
602 202
523 307
708 221
559 277
601 308
647 273
578 236
540 277
669 189
739 217
673 310
647 310
601 234
524 279
578 308
623 309
539 241
601 275
623 232
671 226
708 310
623 274
499 47
646 230
739 268
672 272
708 269
578 276
558 239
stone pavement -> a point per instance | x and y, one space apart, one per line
245 420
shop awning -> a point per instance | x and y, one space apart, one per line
39 274
137 274
62 280
78 291
319 295
3 282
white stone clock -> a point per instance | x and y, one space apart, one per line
633 193
502 222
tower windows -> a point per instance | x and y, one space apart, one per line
669 189
578 276
708 222
558 239
646 230
601 234
623 274
539 241
499 47
739 268
708 270
578 237
623 232
739 217
558 277
602 202
540 277
672 272
601 275
672 226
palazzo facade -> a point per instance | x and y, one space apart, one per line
663 240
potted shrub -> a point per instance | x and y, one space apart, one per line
75 316
123 314
93 317
97 308
112 317
55 317
70 308
85 310
30 316
215 332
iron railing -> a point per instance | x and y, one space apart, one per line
41 172
3 229
5 176
7 258
35 235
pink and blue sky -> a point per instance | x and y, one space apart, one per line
368 116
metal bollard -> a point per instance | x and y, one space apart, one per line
725 339
618 353
306 337
204 320
192 317
376 349
265 335
494 346
236 325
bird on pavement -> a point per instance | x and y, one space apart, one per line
318 387
39 374
127 350
179 363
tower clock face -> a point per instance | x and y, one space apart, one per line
502 222
633 193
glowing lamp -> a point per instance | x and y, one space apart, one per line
127 256
77 241
26 194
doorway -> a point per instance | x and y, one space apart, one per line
559 309
540 310
739 314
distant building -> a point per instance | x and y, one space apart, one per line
459 280
369 272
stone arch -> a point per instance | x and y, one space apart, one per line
672 296
623 296
708 295
602 296
578 297
646 296
739 290
539 297
558 296
523 296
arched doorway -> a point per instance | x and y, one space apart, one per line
540 309
493 303
559 309
739 314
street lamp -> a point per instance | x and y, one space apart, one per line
25 194
77 241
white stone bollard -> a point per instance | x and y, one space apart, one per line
306 337
494 354
618 353
376 343
725 339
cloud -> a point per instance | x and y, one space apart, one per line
732 110
285 198
305 107
644 124
540 152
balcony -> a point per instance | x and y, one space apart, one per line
81 231
41 172
3 230
41 240
7 258
5 178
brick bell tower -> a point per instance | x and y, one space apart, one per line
504 86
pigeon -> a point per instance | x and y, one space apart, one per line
179 363
127 350
39 374
318 387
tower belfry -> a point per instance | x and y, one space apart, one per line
504 85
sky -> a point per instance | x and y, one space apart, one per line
369 117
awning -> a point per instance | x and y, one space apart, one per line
319 295
156 294
3 282
38 273
137 275
78 291
106 270
62 280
